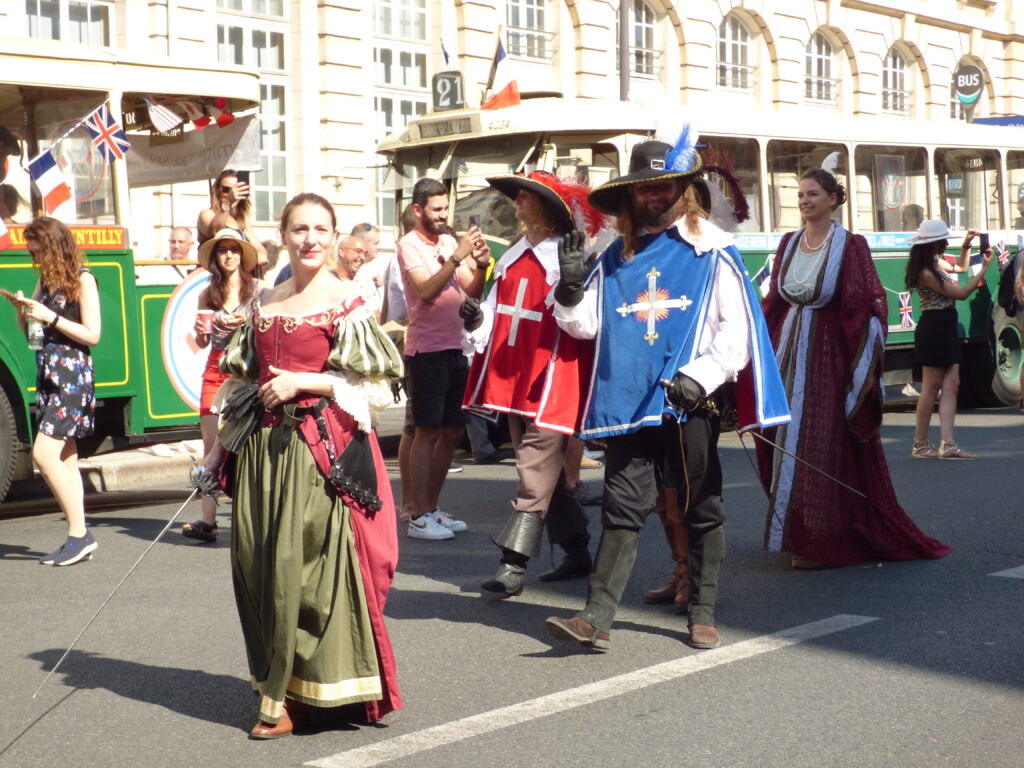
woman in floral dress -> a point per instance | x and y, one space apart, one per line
66 301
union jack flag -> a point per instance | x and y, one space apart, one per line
106 134
1002 252
906 311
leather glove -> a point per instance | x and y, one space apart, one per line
572 270
471 314
683 392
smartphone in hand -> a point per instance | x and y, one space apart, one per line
983 242
474 220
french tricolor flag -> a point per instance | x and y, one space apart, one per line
501 85
50 182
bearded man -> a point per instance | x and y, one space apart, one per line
674 317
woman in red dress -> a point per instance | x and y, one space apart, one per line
313 541
826 313
230 260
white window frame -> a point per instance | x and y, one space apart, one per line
400 13
248 8
271 77
645 58
733 68
895 94
527 35
63 31
819 60
957 110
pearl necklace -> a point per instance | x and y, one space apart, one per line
806 245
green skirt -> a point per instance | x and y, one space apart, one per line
297 581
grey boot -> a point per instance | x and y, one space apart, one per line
507 581
522 533
612 566
707 551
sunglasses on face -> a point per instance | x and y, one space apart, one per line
225 190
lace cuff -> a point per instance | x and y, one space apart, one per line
359 396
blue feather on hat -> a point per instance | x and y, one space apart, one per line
683 156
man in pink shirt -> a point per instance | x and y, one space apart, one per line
437 273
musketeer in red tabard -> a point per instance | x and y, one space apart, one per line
526 367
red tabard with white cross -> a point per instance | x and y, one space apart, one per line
530 366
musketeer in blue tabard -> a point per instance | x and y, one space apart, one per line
675 318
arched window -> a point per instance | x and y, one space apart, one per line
734 70
895 95
528 35
644 58
818 82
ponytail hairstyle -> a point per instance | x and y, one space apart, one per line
828 182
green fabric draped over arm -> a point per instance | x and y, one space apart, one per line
361 347
239 358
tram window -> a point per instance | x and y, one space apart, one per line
395 184
787 160
1015 187
892 190
472 163
589 164
79 159
741 158
969 185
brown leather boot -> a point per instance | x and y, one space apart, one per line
703 637
668 593
580 630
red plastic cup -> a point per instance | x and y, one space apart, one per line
205 320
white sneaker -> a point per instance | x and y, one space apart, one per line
449 522
427 527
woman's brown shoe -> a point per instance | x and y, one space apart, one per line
276 730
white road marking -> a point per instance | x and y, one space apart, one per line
555 703
1011 573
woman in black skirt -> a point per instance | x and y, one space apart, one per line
936 342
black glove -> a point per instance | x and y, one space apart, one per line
471 314
572 270
683 392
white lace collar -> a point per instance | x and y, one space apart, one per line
546 252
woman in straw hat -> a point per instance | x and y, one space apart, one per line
230 259
827 312
936 342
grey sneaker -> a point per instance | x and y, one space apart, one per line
75 550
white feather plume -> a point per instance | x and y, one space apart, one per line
831 162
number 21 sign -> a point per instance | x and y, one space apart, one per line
448 92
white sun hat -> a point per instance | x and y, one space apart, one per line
930 231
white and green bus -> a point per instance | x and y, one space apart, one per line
897 172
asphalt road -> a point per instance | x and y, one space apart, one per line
893 664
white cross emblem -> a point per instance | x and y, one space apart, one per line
653 305
517 313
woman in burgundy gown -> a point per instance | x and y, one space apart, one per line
827 315
312 556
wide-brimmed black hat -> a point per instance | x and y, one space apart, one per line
541 184
646 163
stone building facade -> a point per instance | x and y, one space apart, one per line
337 75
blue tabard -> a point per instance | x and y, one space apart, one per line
652 309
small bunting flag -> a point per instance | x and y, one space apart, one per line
906 311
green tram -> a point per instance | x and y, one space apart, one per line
146 316
897 172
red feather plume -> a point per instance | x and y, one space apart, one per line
575 196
